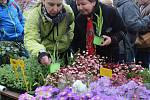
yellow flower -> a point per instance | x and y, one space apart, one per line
13 62
21 63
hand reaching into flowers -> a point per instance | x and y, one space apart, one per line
107 40
44 59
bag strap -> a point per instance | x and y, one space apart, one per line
52 29
67 22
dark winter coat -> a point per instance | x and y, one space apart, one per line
132 18
112 26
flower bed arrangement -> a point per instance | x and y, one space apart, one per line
87 69
25 78
102 89
84 68
83 76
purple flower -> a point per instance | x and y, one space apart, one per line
120 98
83 97
130 94
46 92
65 91
89 94
103 97
131 85
104 81
148 92
73 96
26 96
44 88
61 98
86 96
55 91
96 98
93 85
44 95
110 91
143 95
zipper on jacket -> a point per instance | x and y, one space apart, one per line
11 17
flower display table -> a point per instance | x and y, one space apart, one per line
82 78
8 95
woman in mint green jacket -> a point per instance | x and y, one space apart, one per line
49 25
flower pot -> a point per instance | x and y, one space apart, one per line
98 40
2 88
54 67
9 95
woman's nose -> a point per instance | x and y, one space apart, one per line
80 7
55 8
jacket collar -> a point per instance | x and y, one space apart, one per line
118 3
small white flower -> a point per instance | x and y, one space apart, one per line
78 86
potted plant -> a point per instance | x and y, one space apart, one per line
55 65
14 81
98 39
146 78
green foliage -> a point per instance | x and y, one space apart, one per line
57 58
11 50
131 75
145 75
8 78
98 24
54 55
35 74
14 49
70 58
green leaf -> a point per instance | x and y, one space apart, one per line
54 67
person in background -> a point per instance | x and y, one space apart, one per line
91 14
144 7
72 4
130 13
143 54
25 5
11 31
107 2
50 24
124 45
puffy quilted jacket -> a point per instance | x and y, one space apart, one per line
11 22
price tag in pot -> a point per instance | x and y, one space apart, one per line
106 72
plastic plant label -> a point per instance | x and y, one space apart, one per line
98 40
54 67
106 72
